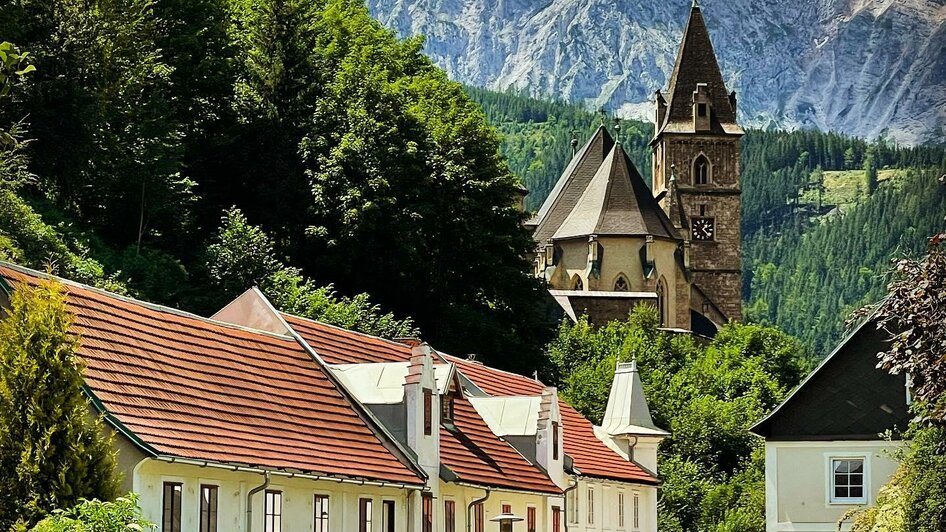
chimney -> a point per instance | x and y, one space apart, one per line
702 108
627 418
423 410
549 446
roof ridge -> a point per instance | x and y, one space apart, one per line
340 328
157 307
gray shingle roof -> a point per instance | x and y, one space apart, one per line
696 63
616 201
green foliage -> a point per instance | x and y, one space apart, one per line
806 282
242 255
52 452
121 515
706 395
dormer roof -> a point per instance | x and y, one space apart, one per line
696 63
616 202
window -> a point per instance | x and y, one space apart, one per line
701 170
449 516
701 110
208 508
388 515
637 511
446 408
272 511
662 301
620 285
507 525
577 284
620 509
530 519
555 440
364 515
321 513
591 506
847 481
171 515
428 412
478 518
571 507
556 519
427 523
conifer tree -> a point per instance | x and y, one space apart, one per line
52 452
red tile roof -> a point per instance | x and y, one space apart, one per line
591 456
192 388
473 452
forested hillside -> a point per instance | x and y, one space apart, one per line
822 213
133 128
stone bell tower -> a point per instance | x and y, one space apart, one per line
696 152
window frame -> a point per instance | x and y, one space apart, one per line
175 510
555 440
573 518
530 519
326 517
636 510
209 524
478 521
428 412
427 512
590 509
620 512
388 515
556 519
449 515
830 459
698 178
365 514
272 516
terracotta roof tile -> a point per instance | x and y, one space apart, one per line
473 452
192 388
590 455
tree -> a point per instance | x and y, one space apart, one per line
870 171
706 396
241 255
52 452
914 313
122 515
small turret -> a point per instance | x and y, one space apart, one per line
702 108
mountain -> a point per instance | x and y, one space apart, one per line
863 67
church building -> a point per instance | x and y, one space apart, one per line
606 241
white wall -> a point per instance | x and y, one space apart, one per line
797 481
606 508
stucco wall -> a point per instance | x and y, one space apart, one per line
606 507
797 481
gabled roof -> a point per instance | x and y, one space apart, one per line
696 63
472 452
845 398
187 387
616 202
590 456
383 382
509 416
571 184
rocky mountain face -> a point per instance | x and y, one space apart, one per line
863 67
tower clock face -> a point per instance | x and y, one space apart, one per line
703 228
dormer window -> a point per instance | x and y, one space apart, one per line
701 110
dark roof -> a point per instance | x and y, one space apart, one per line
696 63
616 202
571 185
846 398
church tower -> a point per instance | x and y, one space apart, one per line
696 151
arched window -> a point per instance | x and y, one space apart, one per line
577 284
701 171
620 284
662 301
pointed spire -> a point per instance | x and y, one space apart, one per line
696 64
696 4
